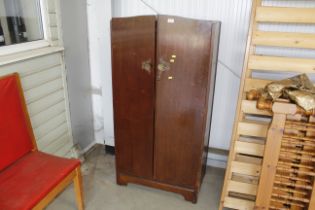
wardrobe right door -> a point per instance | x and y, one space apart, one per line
182 87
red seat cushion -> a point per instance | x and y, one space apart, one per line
15 131
31 178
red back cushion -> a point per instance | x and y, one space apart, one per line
15 135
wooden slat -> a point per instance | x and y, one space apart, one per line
245 168
312 199
235 203
249 107
248 159
294 185
240 187
270 161
285 15
250 139
285 64
245 178
284 39
249 148
290 198
285 202
253 129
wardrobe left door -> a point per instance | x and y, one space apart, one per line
133 73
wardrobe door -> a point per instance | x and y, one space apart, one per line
133 55
183 74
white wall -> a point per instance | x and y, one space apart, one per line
99 16
234 16
75 38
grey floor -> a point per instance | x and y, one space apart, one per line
101 191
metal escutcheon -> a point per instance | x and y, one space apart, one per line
162 66
146 65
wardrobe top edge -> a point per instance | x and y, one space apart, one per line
165 15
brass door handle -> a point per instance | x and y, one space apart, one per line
161 67
147 66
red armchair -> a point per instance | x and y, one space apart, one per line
29 179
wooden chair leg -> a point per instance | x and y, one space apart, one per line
78 188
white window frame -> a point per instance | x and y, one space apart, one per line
21 47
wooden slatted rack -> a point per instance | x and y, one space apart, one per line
288 169
251 125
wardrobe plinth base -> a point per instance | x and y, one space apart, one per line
189 194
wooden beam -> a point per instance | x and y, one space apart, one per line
243 188
78 188
245 168
285 15
284 39
256 129
271 154
235 203
249 107
282 64
249 148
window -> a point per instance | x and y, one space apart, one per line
20 22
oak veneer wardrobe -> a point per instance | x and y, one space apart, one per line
163 82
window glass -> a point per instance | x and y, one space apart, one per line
20 21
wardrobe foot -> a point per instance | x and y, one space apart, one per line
191 196
121 182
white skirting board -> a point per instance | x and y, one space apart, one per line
89 147
217 160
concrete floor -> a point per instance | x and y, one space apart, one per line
101 191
